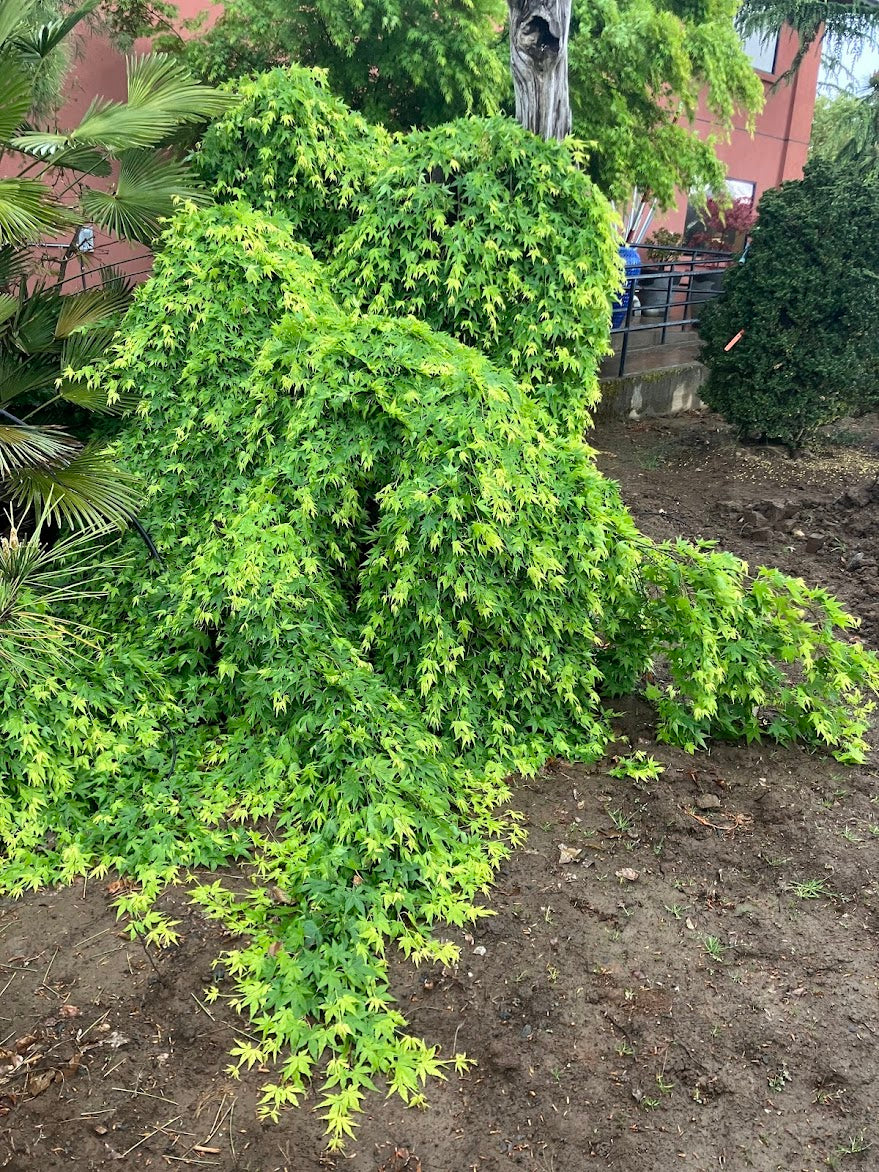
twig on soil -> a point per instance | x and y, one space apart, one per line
202 1007
740 822
146 1094
150 1135
148 955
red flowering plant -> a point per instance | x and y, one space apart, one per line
723 228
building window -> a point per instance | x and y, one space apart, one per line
762 48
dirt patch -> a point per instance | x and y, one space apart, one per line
694 988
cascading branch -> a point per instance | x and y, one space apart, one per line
388 580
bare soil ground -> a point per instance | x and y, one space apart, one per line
696 991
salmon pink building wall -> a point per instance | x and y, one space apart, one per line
779 146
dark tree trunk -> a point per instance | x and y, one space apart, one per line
539 60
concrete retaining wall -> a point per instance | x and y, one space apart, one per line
669 391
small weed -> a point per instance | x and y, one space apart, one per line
659 847
665 1088
714 948
621 821
557 1074
849 835
811 889
546 827
649 1104
675 909
553 973
625 1050
777 1082
638 767
856 1146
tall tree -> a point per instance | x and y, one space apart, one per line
539 61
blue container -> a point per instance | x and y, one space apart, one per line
632 260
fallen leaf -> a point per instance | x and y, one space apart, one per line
40 1082
568 854
690 924
69 1011
279 895
627 873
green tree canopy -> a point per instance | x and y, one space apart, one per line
412 63
637 69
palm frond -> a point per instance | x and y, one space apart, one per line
20 375
13 15
38 450
35 44
90 307
112 126
28 211
33 330
89 490
8 306
161 83
70 157
146 191
13 264
37 580
15 94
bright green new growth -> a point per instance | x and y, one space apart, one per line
485 231
290 144
388 581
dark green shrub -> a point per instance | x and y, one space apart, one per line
485 231
808 300
291 145
387 582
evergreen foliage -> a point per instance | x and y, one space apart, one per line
387 581
845 129
288 143
808 300
485 231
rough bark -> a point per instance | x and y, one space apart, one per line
539 61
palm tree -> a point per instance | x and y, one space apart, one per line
120 170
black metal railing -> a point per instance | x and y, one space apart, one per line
669 290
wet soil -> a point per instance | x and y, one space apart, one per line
695 988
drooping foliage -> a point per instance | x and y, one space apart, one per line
408 64
289 143
839 26
637 71
387 580
485 231
845 129
807 298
